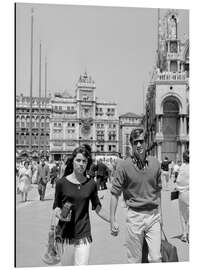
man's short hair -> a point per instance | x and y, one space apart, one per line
136 135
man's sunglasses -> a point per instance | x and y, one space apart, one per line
138 141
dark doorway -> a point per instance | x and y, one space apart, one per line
170 128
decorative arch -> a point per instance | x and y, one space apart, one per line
172 96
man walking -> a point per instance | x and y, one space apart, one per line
165 173
139 179
43 175
102 175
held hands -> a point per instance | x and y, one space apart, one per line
58 215
114 228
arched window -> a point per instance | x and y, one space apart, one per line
171 106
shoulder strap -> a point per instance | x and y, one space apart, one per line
162 230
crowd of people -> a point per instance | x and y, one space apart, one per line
175 176
139 178
38 172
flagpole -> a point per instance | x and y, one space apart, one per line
31 78
143 98
45 112
158 29
39 112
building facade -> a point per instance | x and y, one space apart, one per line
41 112
167 101
127 122
83 119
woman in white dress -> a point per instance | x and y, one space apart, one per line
25 176
34 172
182 185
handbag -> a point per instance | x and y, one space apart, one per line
168 251
174 195
51 255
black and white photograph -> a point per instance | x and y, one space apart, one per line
102 134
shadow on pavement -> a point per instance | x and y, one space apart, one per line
50 199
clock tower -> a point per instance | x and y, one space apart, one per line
86 103
173 56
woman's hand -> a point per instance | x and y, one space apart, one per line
58 215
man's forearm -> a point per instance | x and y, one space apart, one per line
113 207
160 207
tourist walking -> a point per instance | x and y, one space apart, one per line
76 190
24 180
34 171
182 185
165 173
176 170
102 174
43 175
54 174
62 167
139 179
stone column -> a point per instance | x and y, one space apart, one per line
159 151
182 149
161 123
181 125
157 124
168 66
178 66
184 126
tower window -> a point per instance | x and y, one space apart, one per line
173 66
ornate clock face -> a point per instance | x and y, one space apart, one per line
86 127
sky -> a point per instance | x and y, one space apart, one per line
115 45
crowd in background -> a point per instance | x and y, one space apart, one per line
175 177
39 172
30 172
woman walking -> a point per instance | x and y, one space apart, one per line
76 190
182 185
25 176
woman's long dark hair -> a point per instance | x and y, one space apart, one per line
69 163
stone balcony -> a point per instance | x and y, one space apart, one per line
170 76
173 56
